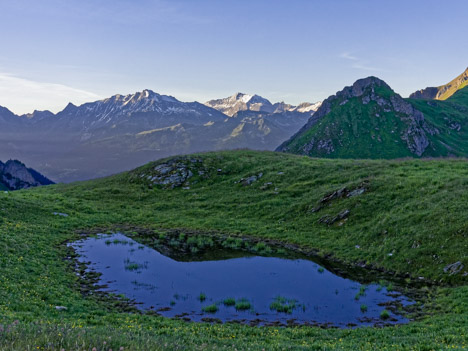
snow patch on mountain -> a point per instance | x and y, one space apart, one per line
245 102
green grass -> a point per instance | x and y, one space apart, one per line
283 305
361 292
133 266
415 209
385 314
243 305
229 301
210 308
370 131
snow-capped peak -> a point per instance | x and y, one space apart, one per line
246 102
105 111
245 98
241 102
308 107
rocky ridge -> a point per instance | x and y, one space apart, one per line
14 175
442 92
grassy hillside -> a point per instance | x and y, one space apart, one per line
448 90
453 90
373 125
450 117
356 131
414 210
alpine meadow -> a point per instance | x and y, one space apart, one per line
284 216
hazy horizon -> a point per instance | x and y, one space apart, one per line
81 51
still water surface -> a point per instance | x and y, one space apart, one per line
176 288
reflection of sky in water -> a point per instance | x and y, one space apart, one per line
154 280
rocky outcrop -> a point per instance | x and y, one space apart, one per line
453 268
173 173
14 175
442 92
415 136
425 94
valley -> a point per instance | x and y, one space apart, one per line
122 132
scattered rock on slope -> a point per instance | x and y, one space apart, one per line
175 172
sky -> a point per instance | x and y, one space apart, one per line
53 51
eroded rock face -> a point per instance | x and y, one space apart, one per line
415 136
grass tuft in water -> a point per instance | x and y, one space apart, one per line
385 314
284 305
243 305
361 292
134 266
210 308
229 301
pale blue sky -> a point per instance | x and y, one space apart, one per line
55 51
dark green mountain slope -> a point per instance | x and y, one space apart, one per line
369 120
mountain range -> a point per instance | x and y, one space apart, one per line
243 102
14 175
124 131
370 120
365 120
